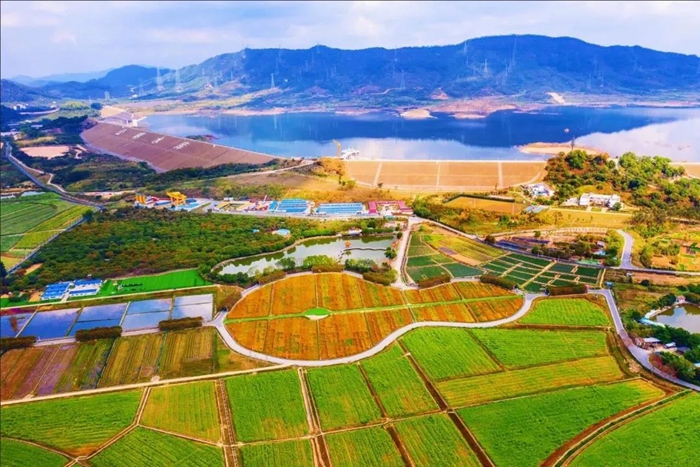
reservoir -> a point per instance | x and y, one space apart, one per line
341 249
667 132
686 317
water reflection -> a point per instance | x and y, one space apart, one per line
686 317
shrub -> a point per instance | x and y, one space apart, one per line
182 323
499 281
568 289
271 277
433 281
7 343
328 268
84 335
379 277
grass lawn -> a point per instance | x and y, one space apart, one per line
566 311
153 283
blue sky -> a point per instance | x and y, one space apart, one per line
42 38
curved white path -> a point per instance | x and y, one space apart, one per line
234 345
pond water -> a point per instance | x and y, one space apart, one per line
10 325
652 131
686 317
372 248
50 324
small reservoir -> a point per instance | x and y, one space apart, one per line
682 316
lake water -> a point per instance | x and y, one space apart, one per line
372 248
673 133
686 317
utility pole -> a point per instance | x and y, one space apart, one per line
272 81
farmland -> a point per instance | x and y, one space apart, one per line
28 222
357 314
568 312
342 397
295 453
506 207
371 447
169 408
539 423
153 283
645 434
19 454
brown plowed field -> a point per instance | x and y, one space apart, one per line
165 152
693 169
445 175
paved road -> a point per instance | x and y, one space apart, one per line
641 355
626 260
231 342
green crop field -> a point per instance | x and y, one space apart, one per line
342 397
154 283
460 270
189 409
525 347
367 447
8 241
434 440
566 311
397 384
448 353
487 388
18 454
144 447
666 436
525 431
75 425
296 453
267 406
86 367
426 272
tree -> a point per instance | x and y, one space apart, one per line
538 234
88 215
390 253
490 239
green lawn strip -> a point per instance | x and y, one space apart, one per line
366 447
487 388
76 424
434 440
189 409
153 283
317 312
525 431
342 397
666 436
18 454
566 311
448 353
267 406
526 347
396 383
460 270
144 447
296 453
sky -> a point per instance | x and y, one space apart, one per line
47 37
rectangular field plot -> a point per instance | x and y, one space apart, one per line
561 267
453 312
396 383
368 447
293 338
441 293
525 431
526 347
10 325
50 324
530 260
425 272
460 270
133 359
192 311
147 447
343 334
375 295
194 299
267 406
588 272
487 388
447 353
338 292
382 323
77 425
189 409
566 311
17 453
491 310
92 325
342 397
154 283
470 290
149 306
22 370
86 367
434 440
102 312
294 295
677 423
144 320
296 453
188 353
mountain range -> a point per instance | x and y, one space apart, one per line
526 67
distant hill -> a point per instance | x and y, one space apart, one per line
59 78
525 68
15 92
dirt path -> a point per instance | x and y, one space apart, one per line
226 424
320 450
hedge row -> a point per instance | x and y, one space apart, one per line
377 277
84 335
433 281
182 323
499 281
568 289
7 343
273 276
328 268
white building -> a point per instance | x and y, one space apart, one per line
538 189
594 199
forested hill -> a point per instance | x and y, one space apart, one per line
524 66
